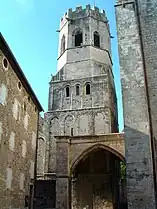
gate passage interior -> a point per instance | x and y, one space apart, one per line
95 183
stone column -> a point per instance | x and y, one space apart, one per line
62 178
140 182
62 192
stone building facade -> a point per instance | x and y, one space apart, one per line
81 123
137 32
19 110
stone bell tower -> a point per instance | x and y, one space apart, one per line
82 98
82 94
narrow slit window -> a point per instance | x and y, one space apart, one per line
63 44
87 89
78 38
67 91
96 39
77 90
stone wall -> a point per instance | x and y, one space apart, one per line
148 24
140 182
18 128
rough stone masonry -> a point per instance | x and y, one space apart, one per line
137 32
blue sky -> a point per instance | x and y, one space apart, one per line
29 27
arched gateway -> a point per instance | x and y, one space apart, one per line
88 171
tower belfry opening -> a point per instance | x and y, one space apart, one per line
96 39
78 38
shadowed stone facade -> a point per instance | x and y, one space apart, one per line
137 32
19 110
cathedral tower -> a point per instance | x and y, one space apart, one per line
82 94
82 114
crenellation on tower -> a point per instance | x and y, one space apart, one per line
81 12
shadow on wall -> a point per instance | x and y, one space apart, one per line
139 168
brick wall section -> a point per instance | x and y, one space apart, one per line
140 184
15 170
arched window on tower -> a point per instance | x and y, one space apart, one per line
77 90
78 38
67 91
96 39
87 89
63 44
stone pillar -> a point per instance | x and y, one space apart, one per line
140 182
62 178
74 195
148 23
62 192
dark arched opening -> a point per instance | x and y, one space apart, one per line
96 39
63 44
78 38
77 90
96 180
87 89
67 91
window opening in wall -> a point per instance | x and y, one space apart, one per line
3 94
29 99
19 85
24 106
78 38
96 39
26 201
77 90
5 63
72 131
67 91
87 89
63 44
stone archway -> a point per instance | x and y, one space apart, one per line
94 147
73 152
95 178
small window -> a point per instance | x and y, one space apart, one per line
87 89
22 181
77 90
24 106
67 91
72 131
9 178
78 38
19 85
5 63
29 99
24 148
63 44
96 39
12 141
3 94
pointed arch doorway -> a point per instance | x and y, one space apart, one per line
95 179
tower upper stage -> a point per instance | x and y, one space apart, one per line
79 12
84 36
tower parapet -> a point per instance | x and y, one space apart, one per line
81 12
